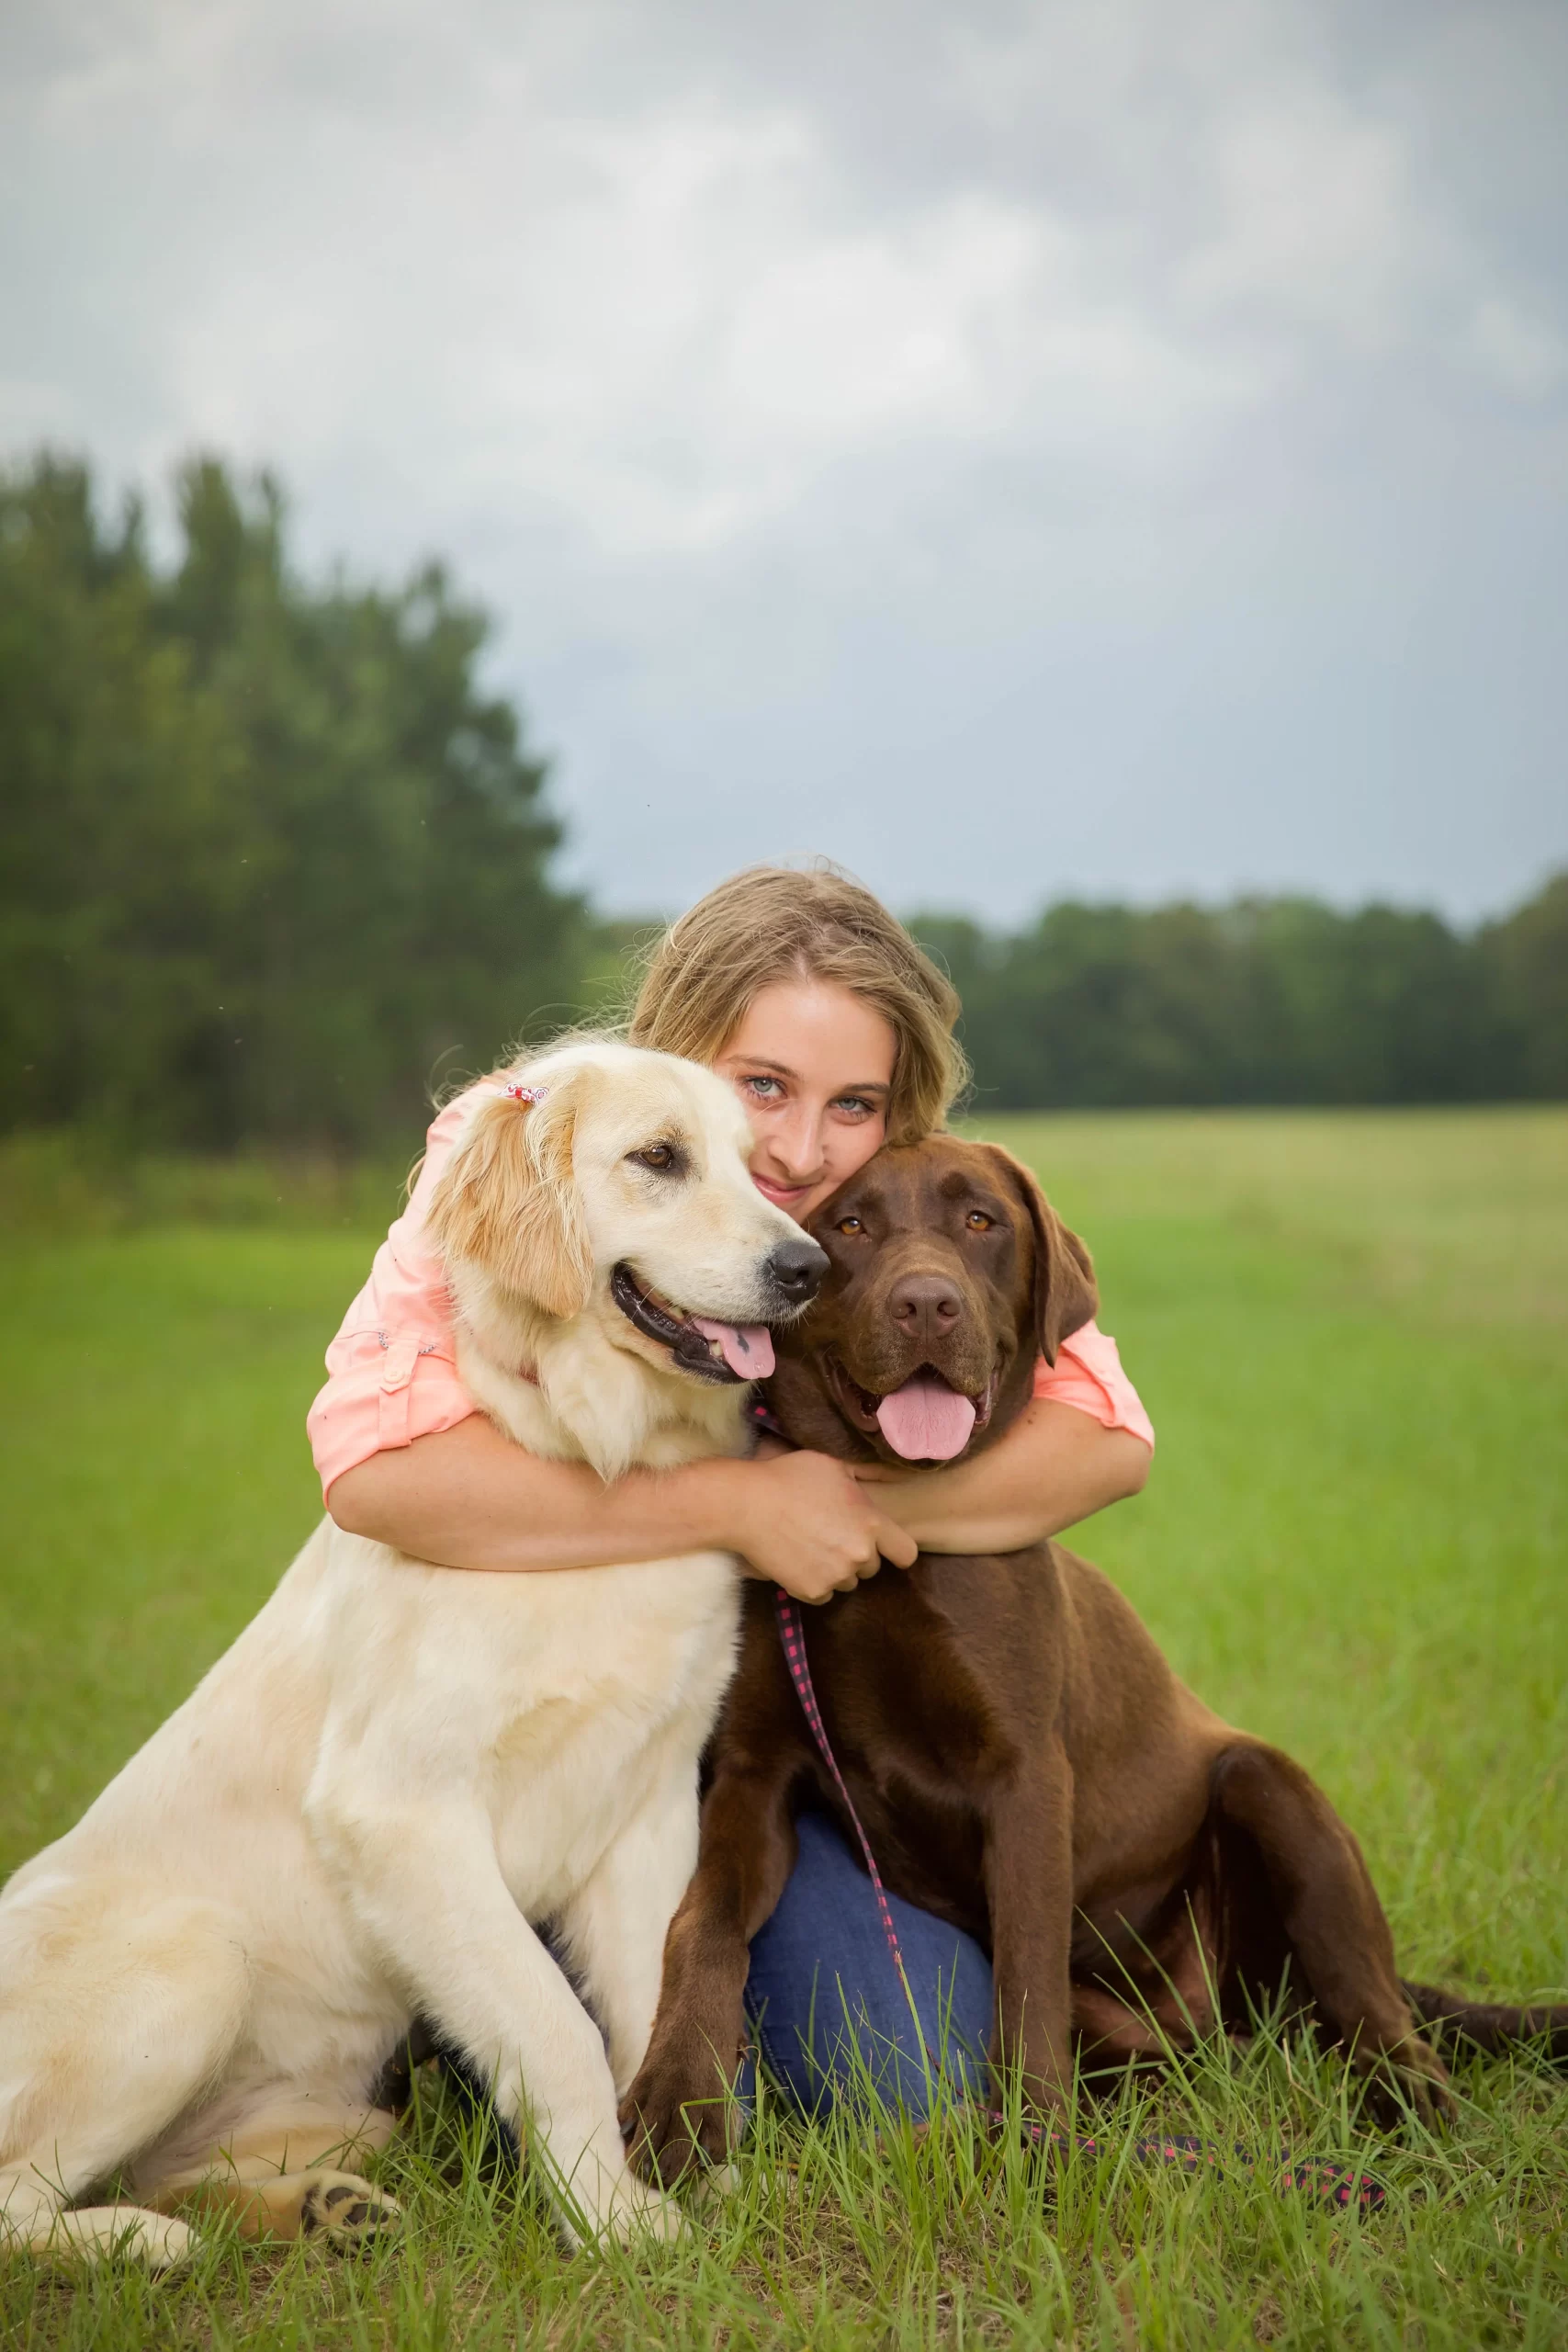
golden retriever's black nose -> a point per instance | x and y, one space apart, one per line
925 1307
795 1270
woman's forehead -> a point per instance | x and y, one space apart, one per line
802 1025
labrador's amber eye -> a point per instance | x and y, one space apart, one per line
664 1158
978 1222
850 1225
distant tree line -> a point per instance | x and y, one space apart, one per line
271 860
269 856
1267 1001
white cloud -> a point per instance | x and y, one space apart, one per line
1321 225
1518 350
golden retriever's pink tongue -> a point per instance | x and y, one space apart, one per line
747 1347
925 1421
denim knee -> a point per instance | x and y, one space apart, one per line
830 2010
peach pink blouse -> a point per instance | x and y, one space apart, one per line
392 1377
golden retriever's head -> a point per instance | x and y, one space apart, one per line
617 1189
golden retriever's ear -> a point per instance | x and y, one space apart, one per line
1065 1294
507 1200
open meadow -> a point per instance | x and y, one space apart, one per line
1351 1331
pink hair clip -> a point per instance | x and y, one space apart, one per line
526 1094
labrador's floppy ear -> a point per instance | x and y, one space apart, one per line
507 1200
1065 1294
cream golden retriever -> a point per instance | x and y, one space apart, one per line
368 1807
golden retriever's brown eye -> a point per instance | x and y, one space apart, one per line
978 1222
850 1225
663 1158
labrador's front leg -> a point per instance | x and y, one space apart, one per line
424 1881
1028 1883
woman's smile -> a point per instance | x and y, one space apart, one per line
784 1197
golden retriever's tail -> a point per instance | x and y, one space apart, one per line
1490 2026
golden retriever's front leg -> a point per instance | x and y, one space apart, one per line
615 1925
424 1881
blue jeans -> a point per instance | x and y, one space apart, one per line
827 2002
827 2008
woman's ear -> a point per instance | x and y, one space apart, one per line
1065 1294
507 1200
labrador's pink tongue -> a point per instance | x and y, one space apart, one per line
747 1347
925 1421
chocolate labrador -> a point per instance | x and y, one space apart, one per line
1022 1759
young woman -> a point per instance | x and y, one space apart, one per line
837 1033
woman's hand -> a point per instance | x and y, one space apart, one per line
808 1524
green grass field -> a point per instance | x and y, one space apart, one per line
1352 1332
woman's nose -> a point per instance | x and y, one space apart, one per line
797 1140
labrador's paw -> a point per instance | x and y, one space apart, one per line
677 2114
1403 2075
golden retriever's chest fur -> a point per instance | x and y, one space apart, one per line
561 1697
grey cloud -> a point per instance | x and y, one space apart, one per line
1014 449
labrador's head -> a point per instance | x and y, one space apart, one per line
615 1185
949 1272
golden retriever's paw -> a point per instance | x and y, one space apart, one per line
347 2212
640 2214
163 2244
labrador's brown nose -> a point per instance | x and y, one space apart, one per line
925 1307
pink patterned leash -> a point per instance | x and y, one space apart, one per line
1329 2184
793 1634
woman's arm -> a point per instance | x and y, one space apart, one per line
1052 1467
468 1498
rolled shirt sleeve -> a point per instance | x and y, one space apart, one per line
1088 1374
392 1371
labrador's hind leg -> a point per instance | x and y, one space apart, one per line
1332 1923
284 2171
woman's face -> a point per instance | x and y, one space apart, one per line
813 1063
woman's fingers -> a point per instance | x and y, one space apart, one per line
811 1529
895 1542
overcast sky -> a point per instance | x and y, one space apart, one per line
1014 449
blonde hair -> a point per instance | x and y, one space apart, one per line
776 923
